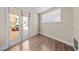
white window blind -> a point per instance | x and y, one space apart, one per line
53 16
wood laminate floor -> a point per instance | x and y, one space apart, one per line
41 43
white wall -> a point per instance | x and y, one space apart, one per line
3 29
63 31
76 23
33 20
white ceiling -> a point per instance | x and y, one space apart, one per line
36 9
42 9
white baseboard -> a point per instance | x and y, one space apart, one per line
33 34
66 42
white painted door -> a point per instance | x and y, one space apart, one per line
14 26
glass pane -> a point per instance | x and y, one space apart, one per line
14 26
25 27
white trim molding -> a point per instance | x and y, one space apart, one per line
33 34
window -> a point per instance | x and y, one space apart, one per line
53 16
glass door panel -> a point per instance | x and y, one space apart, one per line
25 33
14 26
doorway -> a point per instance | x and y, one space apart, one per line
18 26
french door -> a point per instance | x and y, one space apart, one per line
18 26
